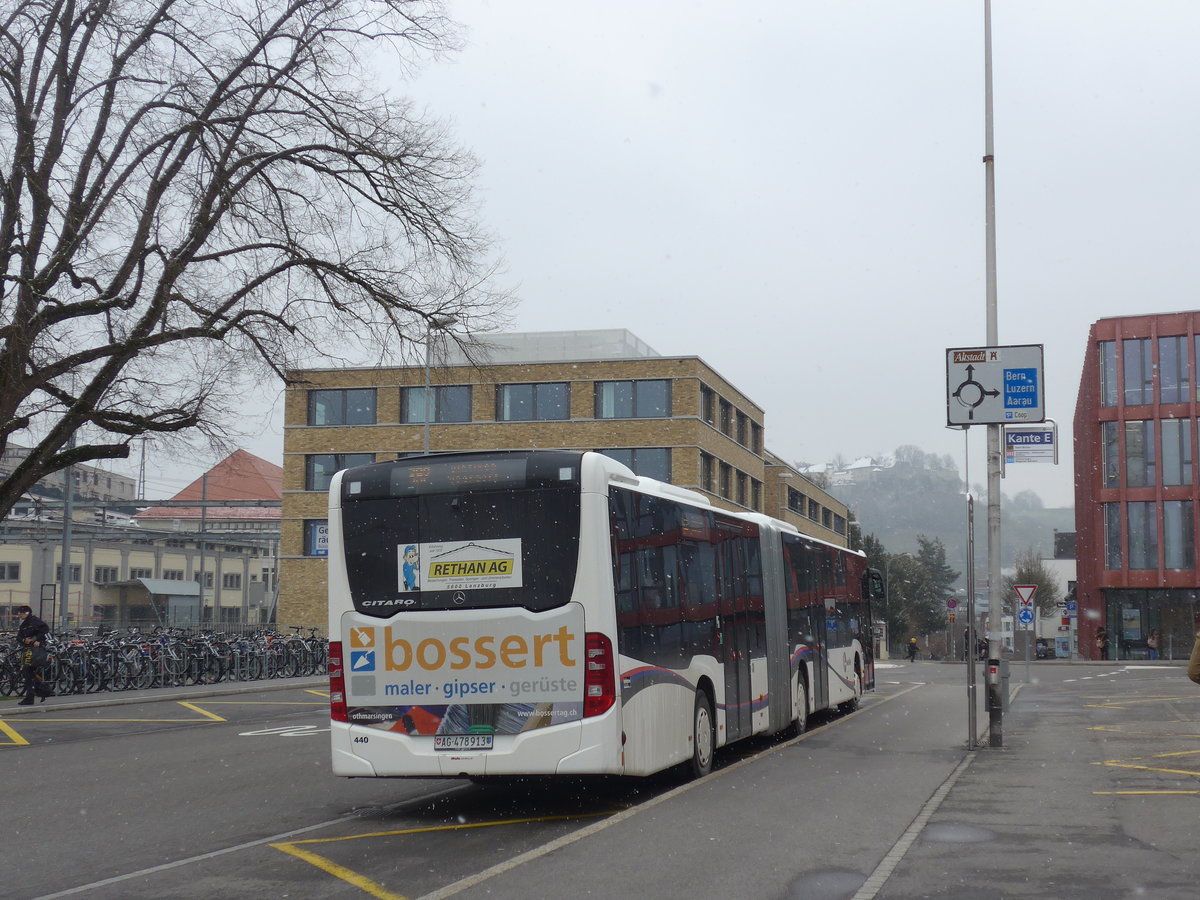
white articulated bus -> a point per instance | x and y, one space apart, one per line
549 612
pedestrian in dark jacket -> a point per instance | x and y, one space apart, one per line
31 634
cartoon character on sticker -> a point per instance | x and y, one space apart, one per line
411 563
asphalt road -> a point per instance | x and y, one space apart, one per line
231 796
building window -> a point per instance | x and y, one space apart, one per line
814 510
1143 536
230 615
827 518
1179 545
344 407
756 494
1173 381
319 468
1108 373
839 524
105 574
1177 451
633 399
231 580
726 417
10 571
743 428
1139 454
756 437
708 476
795 501
451 403
1139 371
1110 454
208 579
708 404
649 462
316 537
76 573
1112 535
741 488
173 574
141 573
726 478
533 402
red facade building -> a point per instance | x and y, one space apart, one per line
1135 486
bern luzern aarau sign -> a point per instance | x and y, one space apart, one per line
995 385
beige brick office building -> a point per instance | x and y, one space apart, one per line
669 417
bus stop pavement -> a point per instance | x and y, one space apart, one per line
102 699
1093 795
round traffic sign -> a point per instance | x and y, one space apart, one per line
1026 616
951 603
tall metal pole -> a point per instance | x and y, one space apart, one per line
439 323
64 599
428 342
995 607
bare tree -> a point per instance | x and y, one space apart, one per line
196 195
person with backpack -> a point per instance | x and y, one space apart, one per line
31 638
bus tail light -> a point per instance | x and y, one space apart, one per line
337 684
599 678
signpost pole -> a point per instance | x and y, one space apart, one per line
995 606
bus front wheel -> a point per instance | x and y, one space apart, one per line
704 736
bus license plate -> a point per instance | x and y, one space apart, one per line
462 742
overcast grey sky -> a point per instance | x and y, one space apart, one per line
793 191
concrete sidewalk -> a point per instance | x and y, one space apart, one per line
888 803
101 699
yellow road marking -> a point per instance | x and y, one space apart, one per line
1117 764
349 876
15 740
376 890
1139 793
1116 729
203 712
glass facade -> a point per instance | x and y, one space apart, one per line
1178 535
1139 454
649 462
1108 373
355 406
1143 535
648 399
533 402
1112 535
1176 452
1139 371
451 403
1173 381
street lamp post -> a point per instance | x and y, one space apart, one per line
434 323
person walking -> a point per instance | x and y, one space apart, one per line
1152 644
1101 643
912 649
31 636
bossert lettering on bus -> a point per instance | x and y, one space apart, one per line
455 660
459 565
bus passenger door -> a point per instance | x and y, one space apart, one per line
735 653
819 657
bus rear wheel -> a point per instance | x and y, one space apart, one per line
704 736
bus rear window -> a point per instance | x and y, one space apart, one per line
469 550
